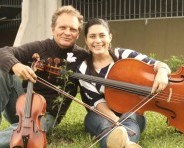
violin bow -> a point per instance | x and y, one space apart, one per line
44 82
116 124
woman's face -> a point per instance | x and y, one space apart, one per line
98 39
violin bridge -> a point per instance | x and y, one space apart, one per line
170 94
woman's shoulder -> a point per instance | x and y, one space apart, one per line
124 52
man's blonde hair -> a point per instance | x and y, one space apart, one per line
68 10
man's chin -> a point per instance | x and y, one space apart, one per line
65 45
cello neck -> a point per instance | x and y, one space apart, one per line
123 86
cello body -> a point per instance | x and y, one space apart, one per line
138 78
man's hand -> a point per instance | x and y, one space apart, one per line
24 72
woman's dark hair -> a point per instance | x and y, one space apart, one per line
97 21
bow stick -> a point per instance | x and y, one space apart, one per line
116 124
42 81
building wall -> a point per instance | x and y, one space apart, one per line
164 37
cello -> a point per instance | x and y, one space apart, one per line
29 107
129 86
136 79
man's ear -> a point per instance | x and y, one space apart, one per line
52 30
78 36
85 40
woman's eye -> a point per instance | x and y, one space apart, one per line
92 36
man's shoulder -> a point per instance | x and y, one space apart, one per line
76 47
80 50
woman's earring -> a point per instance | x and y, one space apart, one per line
110 45
85 47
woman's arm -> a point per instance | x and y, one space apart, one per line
102 107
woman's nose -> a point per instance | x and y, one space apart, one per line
97 39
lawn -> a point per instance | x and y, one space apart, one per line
70 132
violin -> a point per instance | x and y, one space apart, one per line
128 85
29 107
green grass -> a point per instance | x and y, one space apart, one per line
70 132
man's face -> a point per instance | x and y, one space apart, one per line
66 30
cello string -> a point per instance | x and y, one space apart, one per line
132 88
164 95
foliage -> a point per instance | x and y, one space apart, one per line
175 62
64 76
70 133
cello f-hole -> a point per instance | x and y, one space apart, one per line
164 108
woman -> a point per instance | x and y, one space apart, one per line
98 39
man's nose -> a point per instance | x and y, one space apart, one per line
67 31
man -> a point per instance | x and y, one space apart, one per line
66 25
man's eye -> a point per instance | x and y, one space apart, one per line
102 35
61 27
74 30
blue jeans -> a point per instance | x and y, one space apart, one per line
96 124
10 89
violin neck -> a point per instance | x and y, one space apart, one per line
29 95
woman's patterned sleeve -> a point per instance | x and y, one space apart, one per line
128 53
90 90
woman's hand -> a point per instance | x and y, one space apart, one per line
24 72
161 79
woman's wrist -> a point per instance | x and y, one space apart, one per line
165 68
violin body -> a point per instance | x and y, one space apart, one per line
170 102
29 134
